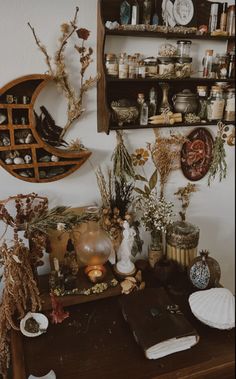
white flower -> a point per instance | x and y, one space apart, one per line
61 226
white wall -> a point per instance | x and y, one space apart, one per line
211 208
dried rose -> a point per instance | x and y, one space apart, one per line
83 33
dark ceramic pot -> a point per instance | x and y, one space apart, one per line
186 102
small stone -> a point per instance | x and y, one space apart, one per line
54 158
8 161
45 158
19 160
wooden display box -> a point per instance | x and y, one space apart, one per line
82 283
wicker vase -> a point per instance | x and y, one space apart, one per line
182 241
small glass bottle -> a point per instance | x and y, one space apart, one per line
147 10
230 27
132 68
231 68
229 114
141 69
202 93
215 104
135 13
213 18
112 65
207 64
140 101
223 18
144 114
123 66
152 102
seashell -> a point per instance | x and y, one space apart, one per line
214 307
54 158
127 286
6 141
45 158
2 118
29 138
19 160
8 161
41 319
24 174
21 140
27 158
50 375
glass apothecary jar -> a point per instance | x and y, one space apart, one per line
166 65
183 48
183 67
111 64
151 66
229 114
215 104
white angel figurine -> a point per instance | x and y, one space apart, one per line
124 265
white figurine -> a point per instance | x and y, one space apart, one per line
124 265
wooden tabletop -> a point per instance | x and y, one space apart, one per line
96 342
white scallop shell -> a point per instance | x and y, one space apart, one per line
50 375
40 318
214 307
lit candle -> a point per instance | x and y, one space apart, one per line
95 273
56 264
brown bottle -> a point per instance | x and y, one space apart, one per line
223 18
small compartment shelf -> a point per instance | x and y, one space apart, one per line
21 147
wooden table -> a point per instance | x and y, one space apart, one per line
96 342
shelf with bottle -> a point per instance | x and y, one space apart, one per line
176 125
163 35
186 80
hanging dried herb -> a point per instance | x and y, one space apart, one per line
122 161
219 165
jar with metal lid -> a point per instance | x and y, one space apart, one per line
221 66
229 114
166 65
151 66
183 67
215 104
202 93
183 48
112 65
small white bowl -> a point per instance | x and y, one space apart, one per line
50 375
41 320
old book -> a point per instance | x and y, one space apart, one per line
158 325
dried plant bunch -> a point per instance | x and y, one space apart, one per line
57 68
184 194
165 153
20 294
218 164
122 161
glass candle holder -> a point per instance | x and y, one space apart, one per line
95 273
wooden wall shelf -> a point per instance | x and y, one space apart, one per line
109 88
36 170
